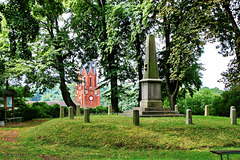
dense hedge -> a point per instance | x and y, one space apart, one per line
218 101
38 110
43 110
97 110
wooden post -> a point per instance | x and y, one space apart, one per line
233 116
136 117
86 115
78 113
70 112
2 123
61 111
110 110
189 116
206 110
176 108
232 107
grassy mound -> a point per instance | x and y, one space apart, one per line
153 133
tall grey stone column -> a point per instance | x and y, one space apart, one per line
232 107
136 117
206 110
61 111
150 84
86 115
189 116
70 112
233 116
78 113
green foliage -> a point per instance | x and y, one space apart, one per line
23 27
2 113
39 110
228 98
129 99
197 102
223 26
105 96
53 94
97 110
218 101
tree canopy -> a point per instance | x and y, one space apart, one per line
46 42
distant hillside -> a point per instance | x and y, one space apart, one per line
53 94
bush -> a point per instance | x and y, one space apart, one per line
39 110
228 98
97 110
2 114
197 103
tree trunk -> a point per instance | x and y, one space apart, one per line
238 51
63 87
226 6
172 101
113 81
111 67
172 91
114 95
139 66
66 96
172 86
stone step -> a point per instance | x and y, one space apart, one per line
157 109
164 115
159 112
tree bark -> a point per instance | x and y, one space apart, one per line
63 87
226 6
114 95
66 95
172 86
139 66
113 81
111 67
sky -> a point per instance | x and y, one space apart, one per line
215 64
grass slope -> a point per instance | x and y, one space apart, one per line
115 137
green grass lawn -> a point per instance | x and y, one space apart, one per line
115 137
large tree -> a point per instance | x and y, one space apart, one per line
51 61
179 28
55 48
104 35
91 35
224 26
18 29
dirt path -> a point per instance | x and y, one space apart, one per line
9 135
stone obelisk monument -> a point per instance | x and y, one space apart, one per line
151 104
151 87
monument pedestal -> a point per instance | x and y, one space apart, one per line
151 104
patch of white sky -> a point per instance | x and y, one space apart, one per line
214 64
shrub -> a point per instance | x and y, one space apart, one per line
2 114
197 103
97 110
101 110
228 98
39 110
